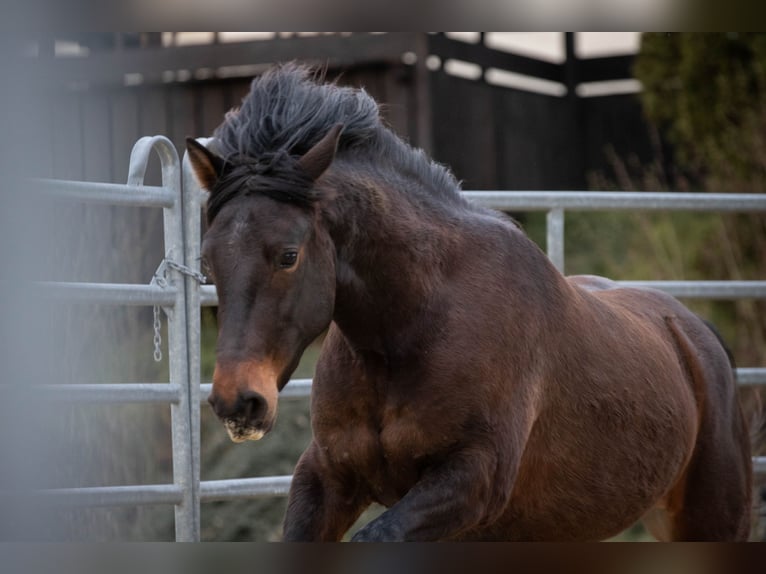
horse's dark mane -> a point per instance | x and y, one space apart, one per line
286 112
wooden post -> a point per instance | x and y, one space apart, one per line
578 139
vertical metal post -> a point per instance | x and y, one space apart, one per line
192 200
555 237
186 513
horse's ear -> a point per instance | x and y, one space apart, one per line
207 166
315 161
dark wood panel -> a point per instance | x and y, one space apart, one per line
616 127
124 111
540 142
463 130
497 138
152 120
66 138
212 100
96 136
605 69
485 57
111 67
493 137
180 111
396 99
237 91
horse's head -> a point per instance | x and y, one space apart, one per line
273 265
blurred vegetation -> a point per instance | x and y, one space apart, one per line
706 93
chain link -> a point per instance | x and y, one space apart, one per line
186 270
161 281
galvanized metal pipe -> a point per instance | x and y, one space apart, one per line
260 487
187 511
301 388
208 296
706 289
617 200
192 198
273 486
295 389
105 193
113 495
112 393
555 238
685 289
751 376
107 293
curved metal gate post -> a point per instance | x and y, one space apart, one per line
184 432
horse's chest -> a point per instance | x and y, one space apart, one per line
388 457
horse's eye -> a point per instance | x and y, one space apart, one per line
288 259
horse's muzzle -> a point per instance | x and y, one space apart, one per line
244 400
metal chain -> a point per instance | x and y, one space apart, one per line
157 335
161 281
186 270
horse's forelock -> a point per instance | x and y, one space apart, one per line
277 176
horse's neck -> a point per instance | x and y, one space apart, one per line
393 256
389 260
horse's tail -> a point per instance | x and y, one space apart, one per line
755 405
754 412
723 343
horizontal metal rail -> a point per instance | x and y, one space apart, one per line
260 487
747 376
295 389
114 495
106 193
617 200
111 393
169 393
683 289
208 296
301 388
210 490
705 289
108 293
263 487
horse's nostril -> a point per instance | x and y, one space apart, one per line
255 407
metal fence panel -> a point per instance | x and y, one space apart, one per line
181 199
170 294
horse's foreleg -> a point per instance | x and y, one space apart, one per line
448 500
320 507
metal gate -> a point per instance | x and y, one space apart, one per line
178 291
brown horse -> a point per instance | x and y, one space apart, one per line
464 383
